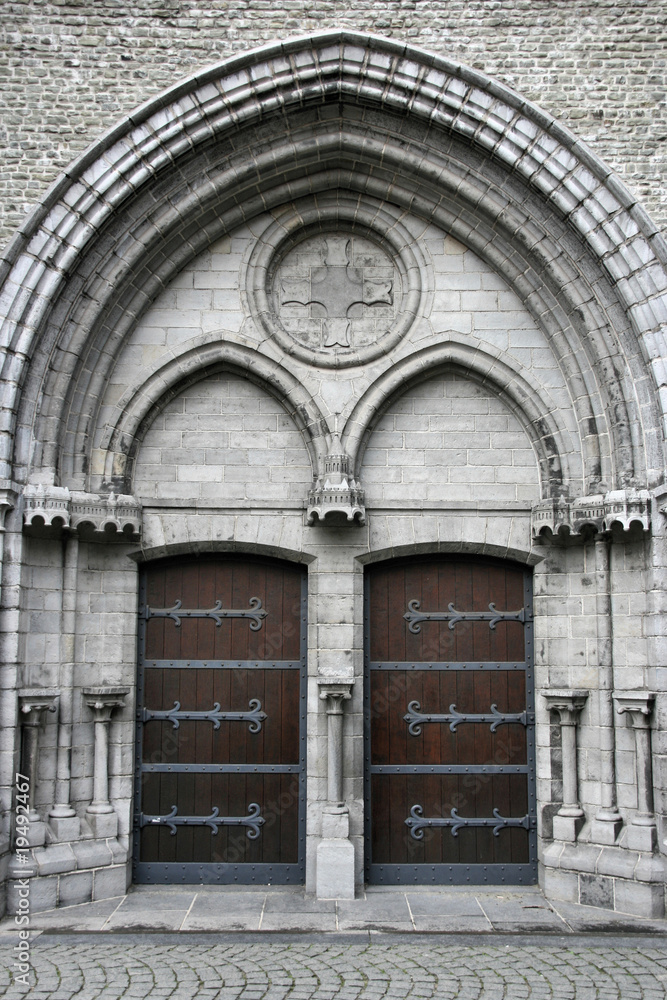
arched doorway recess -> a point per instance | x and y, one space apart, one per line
333 258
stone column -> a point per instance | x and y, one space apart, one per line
568 704
607 823
637 706
33 703
335 853
63 820
100 814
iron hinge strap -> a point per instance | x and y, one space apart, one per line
253 820
414 617
417 822
255 613
415 718
254 717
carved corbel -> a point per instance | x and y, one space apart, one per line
102 517
336 498
558 517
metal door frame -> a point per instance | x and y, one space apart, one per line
223 873
458 874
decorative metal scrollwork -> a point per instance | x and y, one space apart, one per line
417 822
415 718
255 612
254 717
414 616
253 820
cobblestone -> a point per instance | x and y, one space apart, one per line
113 966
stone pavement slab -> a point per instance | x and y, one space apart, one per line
446 910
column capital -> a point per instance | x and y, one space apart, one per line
33 702
103 700
567 702
335 692
636 706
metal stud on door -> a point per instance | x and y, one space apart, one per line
449 723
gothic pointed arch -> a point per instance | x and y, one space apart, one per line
270 128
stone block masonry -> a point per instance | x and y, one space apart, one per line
71 70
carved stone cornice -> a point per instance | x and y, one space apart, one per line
336 498
558 517
100 517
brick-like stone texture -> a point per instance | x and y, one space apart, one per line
70 70
449 439
223 438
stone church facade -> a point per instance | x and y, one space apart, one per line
334 489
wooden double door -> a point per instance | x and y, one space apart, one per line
220 771
449 723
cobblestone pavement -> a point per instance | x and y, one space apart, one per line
109 966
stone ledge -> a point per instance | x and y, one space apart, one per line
598 860
644 899
71 888
80 855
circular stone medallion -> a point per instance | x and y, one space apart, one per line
336 290
336 282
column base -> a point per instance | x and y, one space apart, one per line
567 827
36 834
641 838
335 869
334 878
65 828
102 825
605 828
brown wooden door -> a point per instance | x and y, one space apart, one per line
220 769
450 791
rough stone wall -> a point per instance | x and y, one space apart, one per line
70 69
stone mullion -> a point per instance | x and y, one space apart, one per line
10 668
335 853
607 822
63 819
